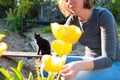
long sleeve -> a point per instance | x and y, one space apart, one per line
99 37
108 32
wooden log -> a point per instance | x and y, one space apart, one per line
20 54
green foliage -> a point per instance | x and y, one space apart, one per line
13 21
6 74
30 76
118 23
102 3
15 16
27 39
17 72
2 11
115 9
3 32
24 7
37 1
6 2
113 1
4 5
47 29
34 11
105 3
113 5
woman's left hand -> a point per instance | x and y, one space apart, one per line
70 70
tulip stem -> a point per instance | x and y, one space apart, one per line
58 76
50 76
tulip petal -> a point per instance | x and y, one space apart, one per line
53 63
67 33
61 48
1 36
3 47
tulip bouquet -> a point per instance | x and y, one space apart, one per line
66 36
3 45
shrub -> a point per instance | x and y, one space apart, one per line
13 21
47 29
115 9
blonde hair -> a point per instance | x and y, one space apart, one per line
64 8
88 4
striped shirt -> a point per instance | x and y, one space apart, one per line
99 37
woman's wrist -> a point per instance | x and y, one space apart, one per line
86 65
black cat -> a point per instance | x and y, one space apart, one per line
43 45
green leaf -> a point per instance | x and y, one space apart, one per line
19 66
6 74
18 75
40 78
30 76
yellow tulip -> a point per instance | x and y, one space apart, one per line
53 63
3 47
67 33
1 36
61 48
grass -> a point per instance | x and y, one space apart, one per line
47 29
27 39
4 32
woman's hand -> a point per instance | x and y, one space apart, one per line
71 69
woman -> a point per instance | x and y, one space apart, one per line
102 52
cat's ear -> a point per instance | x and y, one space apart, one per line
35 33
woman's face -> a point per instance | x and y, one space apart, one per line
75 5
